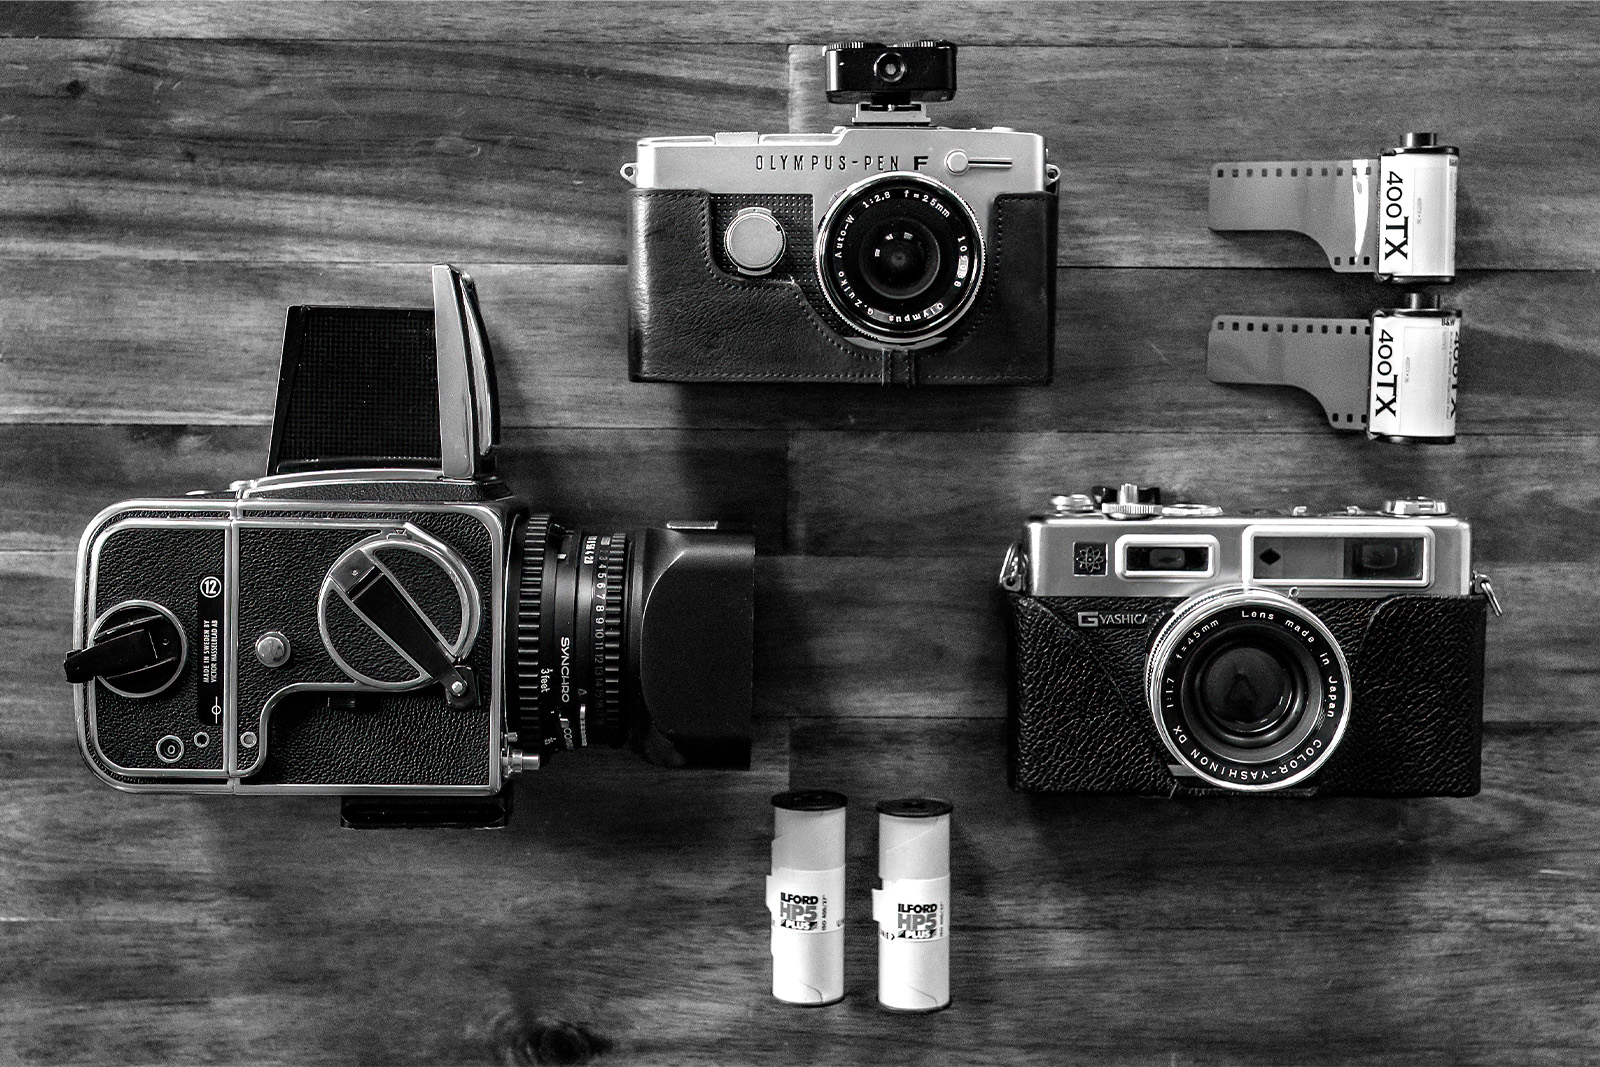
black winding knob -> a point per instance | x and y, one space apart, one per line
138 649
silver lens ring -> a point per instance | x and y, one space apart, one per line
1263 632
935 213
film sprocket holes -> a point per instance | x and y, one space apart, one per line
1392 376
886 251
1181 650
1394 216
380 618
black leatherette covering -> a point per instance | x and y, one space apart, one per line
1079 721
693 321
391 738
163 565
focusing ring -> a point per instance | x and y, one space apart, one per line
609 585
535 537
1240 615
933 310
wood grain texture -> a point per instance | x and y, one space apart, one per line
936 494
312 151
626 899
104 342
175 174
341 151
1120 24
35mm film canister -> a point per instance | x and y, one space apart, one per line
805 894
912 909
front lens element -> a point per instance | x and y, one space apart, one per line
1248 689
900 257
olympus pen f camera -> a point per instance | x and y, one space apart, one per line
886 251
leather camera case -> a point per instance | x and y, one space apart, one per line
694 320
1079 721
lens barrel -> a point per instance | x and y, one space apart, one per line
570 638
1248 689
900 257
639 637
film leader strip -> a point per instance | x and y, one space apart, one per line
1393 217
1392 376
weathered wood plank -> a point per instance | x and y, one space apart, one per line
1183 25
1135 132
627 899
198 343
910 495
841 639
347 151
398 150
57 478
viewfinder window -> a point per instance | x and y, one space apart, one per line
1383 559
1167 559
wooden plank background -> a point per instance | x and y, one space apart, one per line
173 175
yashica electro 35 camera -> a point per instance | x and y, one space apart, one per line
1179 650
887 251
380 618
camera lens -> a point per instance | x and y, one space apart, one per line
569 637
890 67
1249 690
640 637
1246 693
900 257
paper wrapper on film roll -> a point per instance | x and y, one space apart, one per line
805 895
912 909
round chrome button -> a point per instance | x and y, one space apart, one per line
957 162
272 649
169 749
754 240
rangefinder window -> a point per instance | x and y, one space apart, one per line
1331 560
1383 558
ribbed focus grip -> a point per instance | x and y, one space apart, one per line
529 600
609 597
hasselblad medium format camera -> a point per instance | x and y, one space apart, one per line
1182 650
380 619
888 251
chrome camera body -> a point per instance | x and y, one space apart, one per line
1180 649
886 251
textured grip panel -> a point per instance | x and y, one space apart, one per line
1417 729
1073 728
692 321
1079 721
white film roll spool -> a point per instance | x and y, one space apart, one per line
1394 216
805 897
1412 392
912 909
1416 215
